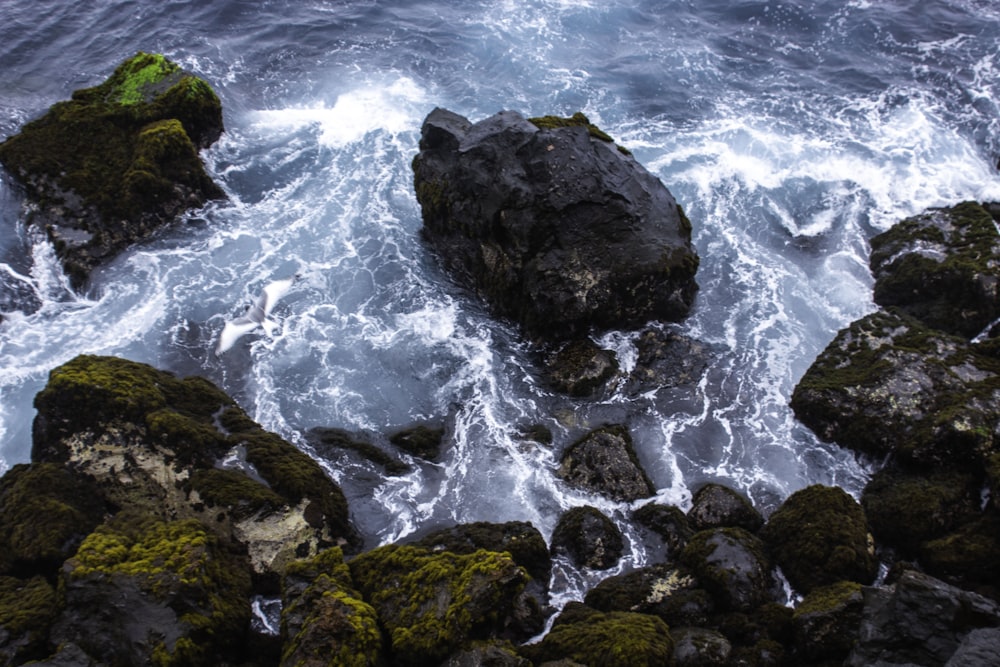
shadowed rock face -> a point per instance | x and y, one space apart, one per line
117 161
555 226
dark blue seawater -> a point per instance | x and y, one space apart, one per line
791 132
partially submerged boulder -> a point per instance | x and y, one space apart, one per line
819 536
942 267
117 161
553 225
604 462
589 538
718 506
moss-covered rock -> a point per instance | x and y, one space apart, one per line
116 161
819 536
604 461
888 384
667 521
906 508
733 565
942 267
493 653
28 607
141 591
597 639
45 512
827 622
717 506
327 439
518 538
179 448
324 621
588 538
432 604
580 367
423 440
700 647
968 555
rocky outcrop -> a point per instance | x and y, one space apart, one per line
604 462
115 162
552 224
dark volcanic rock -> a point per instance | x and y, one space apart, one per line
717 506
604 462
518 538
888 384
580 368
827 622
421 440
734 566
819 536
698 647
109 166
589 538
666 358
919 620
552 224
942 267
669 591
667 521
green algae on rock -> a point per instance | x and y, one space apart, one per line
157 442
144 591
431 604
324 621
116 161
28 608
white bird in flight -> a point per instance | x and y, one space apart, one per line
257 315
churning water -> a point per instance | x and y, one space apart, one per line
790 131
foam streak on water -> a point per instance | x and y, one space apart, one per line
791 132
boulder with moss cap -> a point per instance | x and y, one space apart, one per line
181 448
117 161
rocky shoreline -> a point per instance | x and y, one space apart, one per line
154 511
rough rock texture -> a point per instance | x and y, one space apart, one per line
888 384
669 591
432 603
183 449
324 620
819 536
28 608
698 647
665 358
580 368
588 538
667 521
604 462
596 639
487 654
734 567
142 591
423 440
942 267
553 225
827 622
919 620
717 506
109 166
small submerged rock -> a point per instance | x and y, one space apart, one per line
604 462
589 538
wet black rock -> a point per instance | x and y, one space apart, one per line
553 225
827 622
717 506
604 462
733 565
588 538
580 368
699 647
423 440
667 521
666 590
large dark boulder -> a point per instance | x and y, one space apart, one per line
518 538
819 536
181 448
942 267
604 462
717 506
111 165
733 565
668 522
588 538
552 224
666 590
887 384
919 620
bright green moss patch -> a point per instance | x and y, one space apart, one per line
829 598
432 603
579 119
131 81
